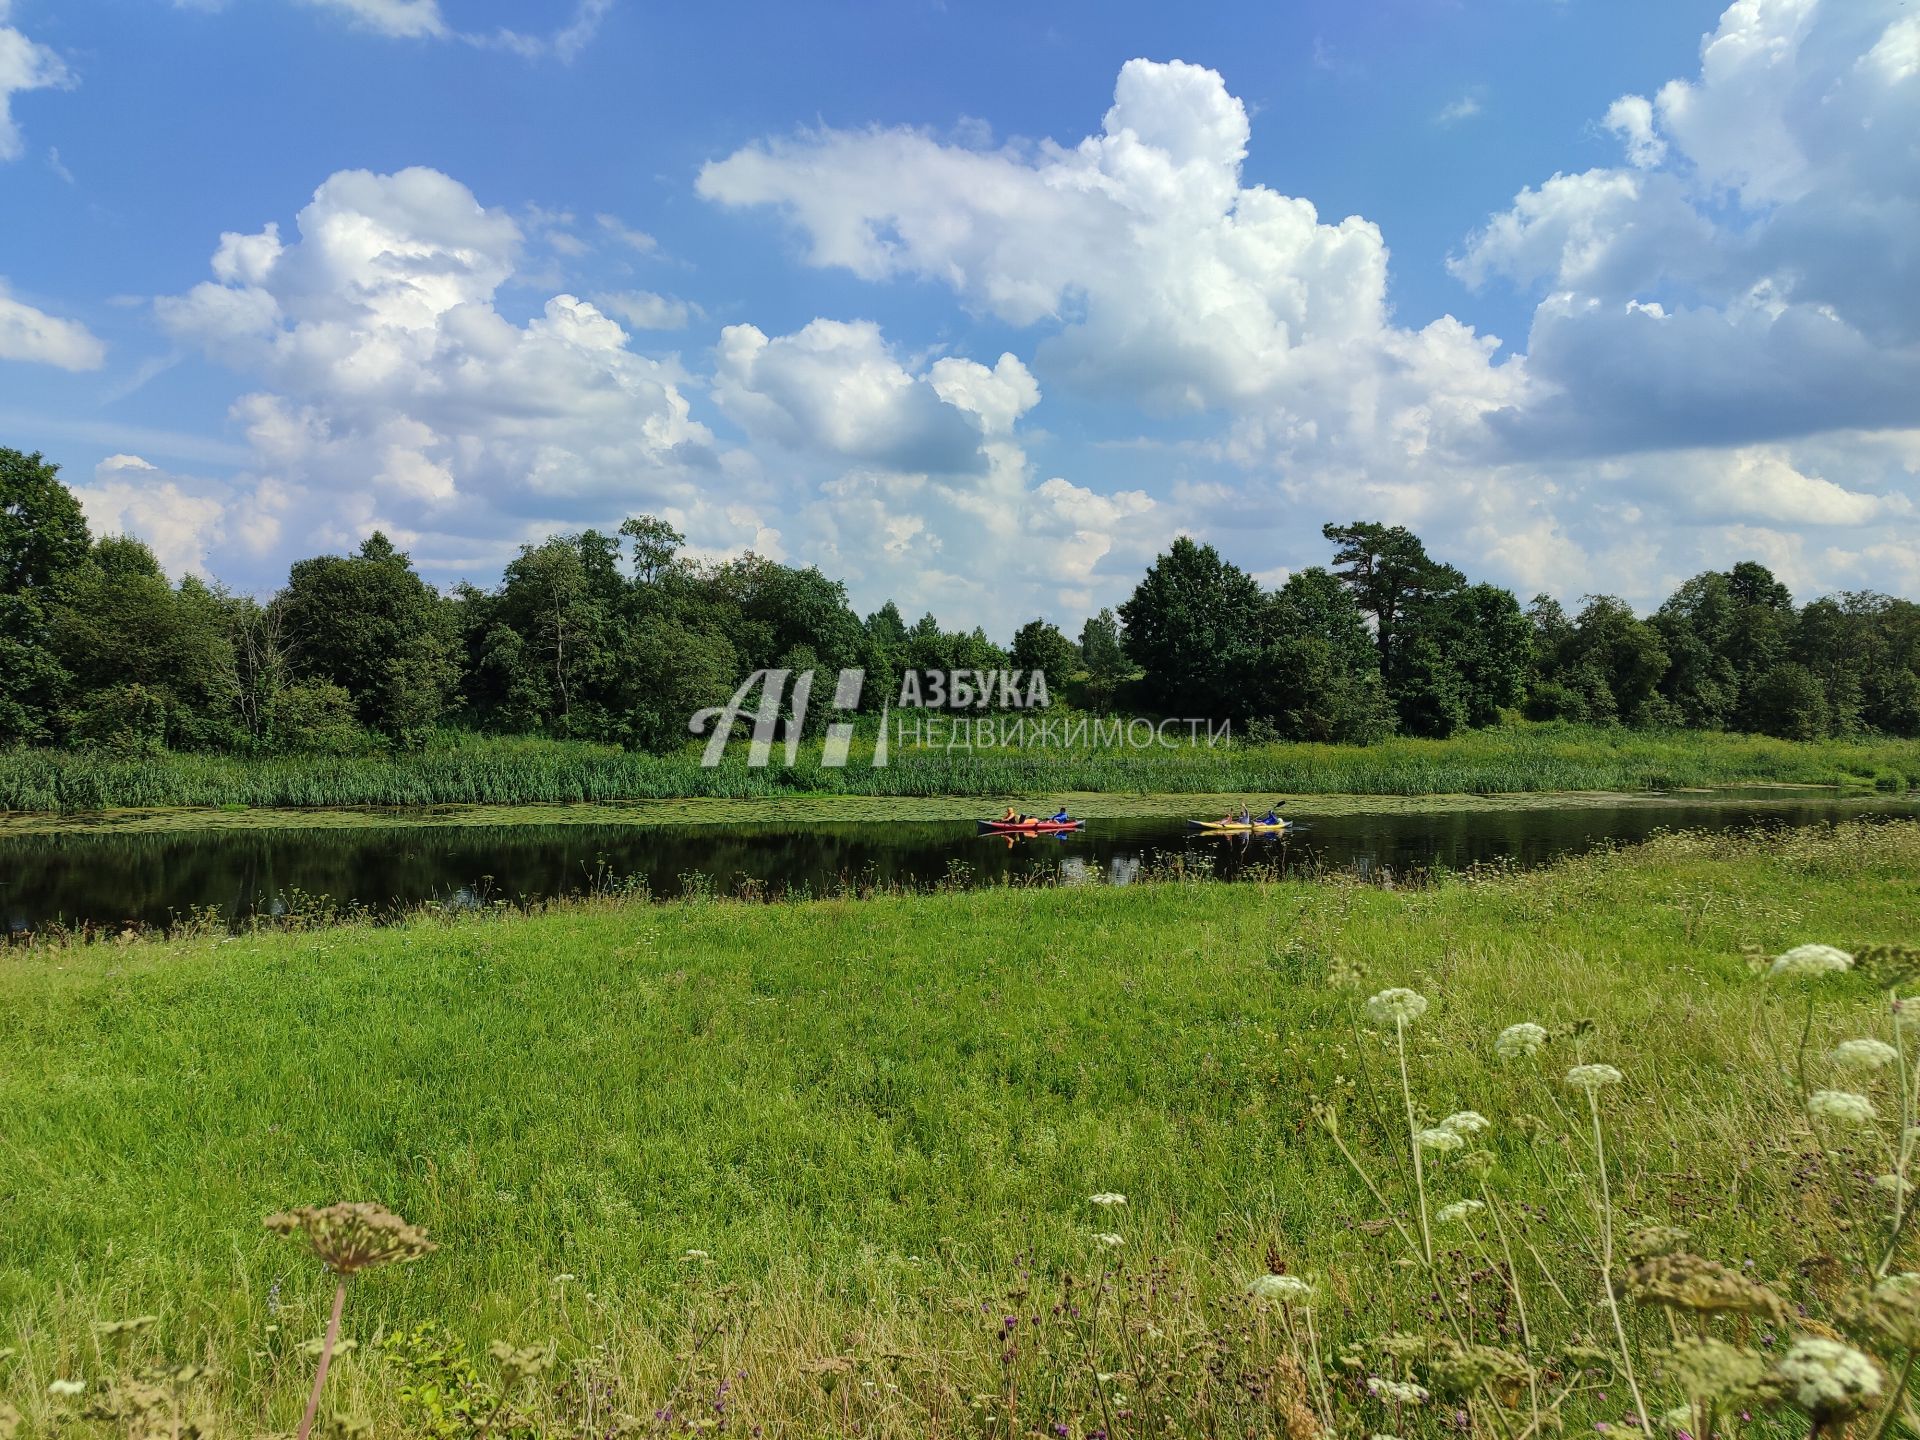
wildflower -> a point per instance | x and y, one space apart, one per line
66 1387
1715 1370
1465 1123
1682 1281
1283 1288
1108 1197
1893 1184
1593 1078
1842 1107
1864 1054
1516 1042
1655 1240
1438 1139
1828 1379
1398 1006
1906 1013
1396 1392
695 1255
1109 1239
1892 1310
351 1237
1807 962
1459 1210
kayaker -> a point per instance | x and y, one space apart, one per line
1012 817
1246 815
1061 814
1270 818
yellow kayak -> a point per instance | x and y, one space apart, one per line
1237 827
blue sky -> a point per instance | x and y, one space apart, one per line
905 290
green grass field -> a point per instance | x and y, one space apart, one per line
474 770
880 1124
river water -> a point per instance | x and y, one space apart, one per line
114 876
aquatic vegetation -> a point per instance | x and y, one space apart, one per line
498 770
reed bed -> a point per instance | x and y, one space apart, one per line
477 770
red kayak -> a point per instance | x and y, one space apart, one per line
1030 827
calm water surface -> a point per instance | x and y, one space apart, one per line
151 878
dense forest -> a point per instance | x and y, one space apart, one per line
621 637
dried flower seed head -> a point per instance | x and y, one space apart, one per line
518 1363
1809 962
1466 1123
1864 1054
1459 1210
1891 1310
1842 1107
1593 1078
1460 1370
1398 1006
1682 1281
1827 1378
124 1327
354 1235
1655 1240
1517 1042
1283 1289
1713 1370
1889 965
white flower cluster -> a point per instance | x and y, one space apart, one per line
1109 1239
1842 1107
1398 1006
1396 1392
1459 1210
1517 1042
1864 1054
1283 1288
1438 1139
1807 962
1827 1377
1465 1123
1593 1078
1108 1197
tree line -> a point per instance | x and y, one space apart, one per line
620 637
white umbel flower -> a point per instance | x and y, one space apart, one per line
1108 1198
1864 1054
1398 1006
1396 1392
1465 1123
1459 1210
66 1388
1806 962
1842 1107
1282 1288
1893 1184
1593 1078
1438 1139
1517 1042
1109 1239
1828 1378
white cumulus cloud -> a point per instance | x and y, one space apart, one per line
39 338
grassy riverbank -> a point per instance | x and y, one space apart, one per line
485 771
878 1125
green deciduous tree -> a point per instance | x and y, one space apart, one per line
1196 625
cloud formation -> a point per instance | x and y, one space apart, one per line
24 65
42 339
